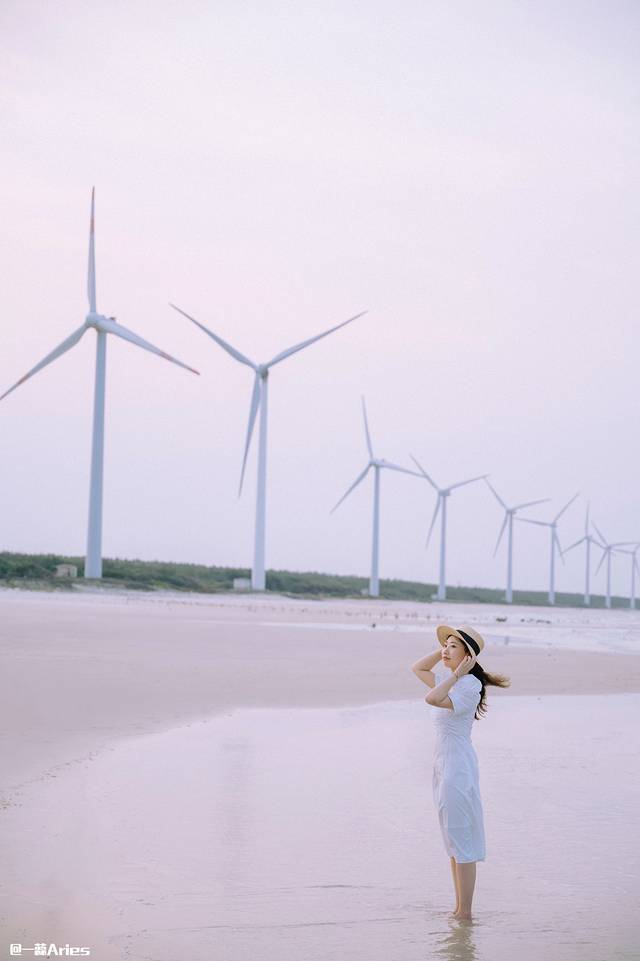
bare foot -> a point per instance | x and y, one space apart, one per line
460 916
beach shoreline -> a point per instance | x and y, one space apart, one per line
163 754
82 670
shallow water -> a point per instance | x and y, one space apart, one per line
310 835
593 638
580 628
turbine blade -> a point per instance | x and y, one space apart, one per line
256 397
470 481
504 524
567 549
91 271
568 504
230 350
111 327
57 352
599 534
530 520
586 522
604 554
496 493
366 428
311 340
424 473
433 520
531 503
404 470
556 541
359 478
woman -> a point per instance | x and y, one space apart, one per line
457 695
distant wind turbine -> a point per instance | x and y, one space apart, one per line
555 543
259 401
509 513
103 326
607 551
634 567
441 508
377 464
588 540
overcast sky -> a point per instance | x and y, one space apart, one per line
467 172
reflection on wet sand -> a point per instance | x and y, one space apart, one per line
286 834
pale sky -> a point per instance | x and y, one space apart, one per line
467 172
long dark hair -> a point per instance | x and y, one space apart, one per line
487 680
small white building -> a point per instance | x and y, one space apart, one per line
242 583
66 570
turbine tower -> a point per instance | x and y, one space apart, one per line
441 508
634 567
509 513
555 543
588 539
607 551
378 464
259 401
103 326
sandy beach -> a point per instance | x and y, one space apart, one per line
109 699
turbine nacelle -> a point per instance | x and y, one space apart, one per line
97 320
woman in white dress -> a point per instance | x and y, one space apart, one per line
457 696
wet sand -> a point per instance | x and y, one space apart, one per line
81 671
310 833
121 824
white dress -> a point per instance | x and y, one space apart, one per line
456 775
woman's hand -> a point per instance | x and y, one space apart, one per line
465 666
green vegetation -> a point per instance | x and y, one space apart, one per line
37 572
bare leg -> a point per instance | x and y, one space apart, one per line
466 884
455 885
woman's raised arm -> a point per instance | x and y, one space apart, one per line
422 668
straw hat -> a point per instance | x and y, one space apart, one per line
468 635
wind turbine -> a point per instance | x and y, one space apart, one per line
378 464
634 567
552 525
259 401
607 551
441 508
509 514
588 539
103 326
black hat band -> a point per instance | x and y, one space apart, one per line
470 641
